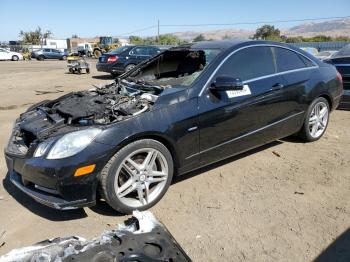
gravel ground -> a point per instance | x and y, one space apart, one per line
286 201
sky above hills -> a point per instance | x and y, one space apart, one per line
88 18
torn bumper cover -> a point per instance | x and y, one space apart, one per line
140 238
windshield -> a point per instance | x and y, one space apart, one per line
174 68
119 50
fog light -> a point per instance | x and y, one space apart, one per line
84 170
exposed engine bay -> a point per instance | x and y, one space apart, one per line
115 102
131 95
101 105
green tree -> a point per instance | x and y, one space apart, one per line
136 40
199 38
35 37
169 39
267 32
295 39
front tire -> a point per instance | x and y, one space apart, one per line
316 120
137 176
15 58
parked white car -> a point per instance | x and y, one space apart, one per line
9 55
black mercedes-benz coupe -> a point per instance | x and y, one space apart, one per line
188 107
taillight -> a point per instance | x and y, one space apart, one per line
112 59
339 77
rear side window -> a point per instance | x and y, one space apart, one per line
288 60
139 51
47 50
249 63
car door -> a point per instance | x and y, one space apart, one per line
296 69
47 53
3 54
234 121
138 54
56 54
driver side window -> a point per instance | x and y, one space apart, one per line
249 63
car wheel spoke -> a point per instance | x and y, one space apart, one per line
126 188
130 172
323 112
140 195
156 179
133 164
313 120
150 159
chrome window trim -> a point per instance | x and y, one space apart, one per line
341 64
262 77
246 134
280 73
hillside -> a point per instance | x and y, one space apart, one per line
340 27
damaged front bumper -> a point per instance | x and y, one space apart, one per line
48 197
52 182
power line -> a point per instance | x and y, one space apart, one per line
236 23
257 22
139 30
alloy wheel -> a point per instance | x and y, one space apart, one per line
318 119
141 177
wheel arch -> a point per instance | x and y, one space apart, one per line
166 141
329 100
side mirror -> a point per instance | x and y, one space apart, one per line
224 83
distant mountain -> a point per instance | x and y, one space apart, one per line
340 27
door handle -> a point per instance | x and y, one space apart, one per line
277 86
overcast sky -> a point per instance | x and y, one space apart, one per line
88 18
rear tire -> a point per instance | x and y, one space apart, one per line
130 185
88 70
316 120
15 58
129 67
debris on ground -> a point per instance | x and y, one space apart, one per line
2 243
276 153
298 193
140 238
40 92
1 197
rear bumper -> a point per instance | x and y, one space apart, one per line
109 68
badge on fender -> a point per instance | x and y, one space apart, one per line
236 93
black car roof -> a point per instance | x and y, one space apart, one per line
228 44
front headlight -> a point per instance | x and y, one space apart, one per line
72 143
42 147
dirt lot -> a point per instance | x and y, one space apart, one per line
287 201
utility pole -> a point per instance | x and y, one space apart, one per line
158 33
